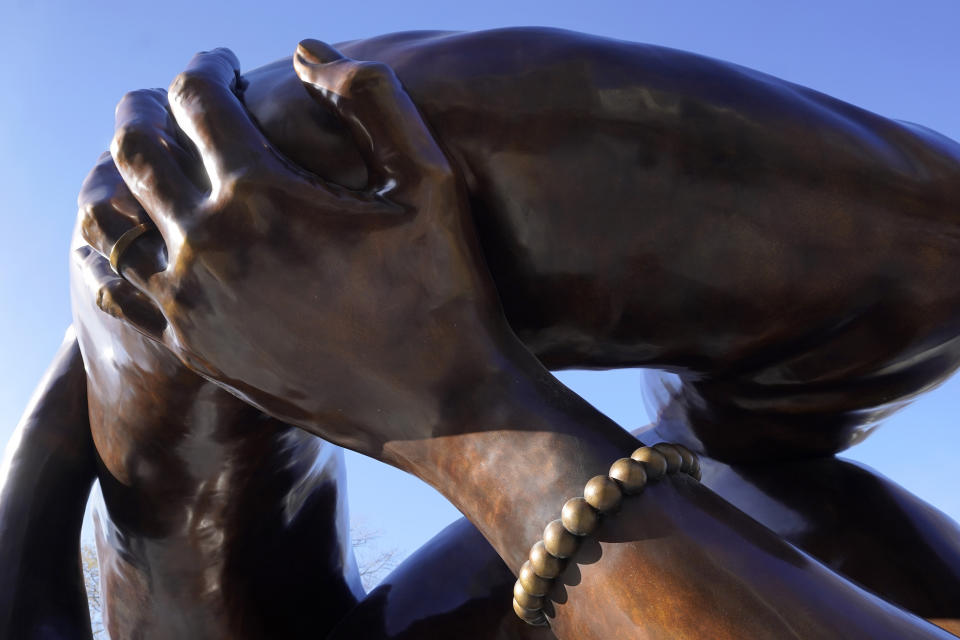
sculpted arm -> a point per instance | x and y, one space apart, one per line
46 474
369 318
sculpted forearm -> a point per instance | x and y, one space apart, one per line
675 561
630 183
368 317
631 215
45 476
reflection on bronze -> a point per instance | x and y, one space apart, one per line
558 540
124 241
466 595
525 600
533 617
654 461
856 522
44 481
532 583
578 517
390 255
630 474
602 494
544 563
671 455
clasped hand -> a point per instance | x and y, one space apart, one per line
358 315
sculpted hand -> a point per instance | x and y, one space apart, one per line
362 316
368 318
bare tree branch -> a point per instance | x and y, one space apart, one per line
374 563
91 579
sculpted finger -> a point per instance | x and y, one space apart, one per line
108 213
400 152
204 102
149 158
118 298
107 209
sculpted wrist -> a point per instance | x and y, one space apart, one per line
581 516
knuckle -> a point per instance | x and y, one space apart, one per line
117 289
112 296
96 212
248 181
188 85
374 69
95 181
217 60
90 231
131 140
369 76
92 216
140 101
137 96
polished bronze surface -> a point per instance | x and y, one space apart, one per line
524 599
45 482
532 616
631 475
124 241
857 522
455 586
543 562
594 202
788 163
215 521
558 541
671 455
654 461
602 493
409 175
531 582
710 192
578 517
688 461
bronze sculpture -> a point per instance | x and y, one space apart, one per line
796 384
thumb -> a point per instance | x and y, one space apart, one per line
117 297
124 302
396 144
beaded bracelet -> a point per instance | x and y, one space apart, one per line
581 516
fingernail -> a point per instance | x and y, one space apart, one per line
229 56
307 49
107 304
315 52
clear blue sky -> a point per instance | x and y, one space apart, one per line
65 64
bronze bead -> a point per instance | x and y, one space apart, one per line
674 460
544 563
578 517
526 600
558 541
631 475
531 582
654 462
531 616
602 493
695 467
687 458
